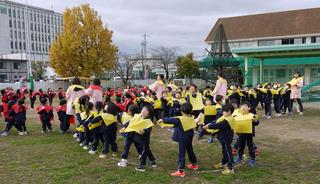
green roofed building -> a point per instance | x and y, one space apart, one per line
271 46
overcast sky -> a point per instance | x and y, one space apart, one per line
171 23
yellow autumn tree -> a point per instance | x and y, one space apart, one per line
84 47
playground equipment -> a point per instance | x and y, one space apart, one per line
311 95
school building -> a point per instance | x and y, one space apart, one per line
271 46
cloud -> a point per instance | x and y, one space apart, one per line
172 23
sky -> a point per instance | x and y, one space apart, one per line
170 23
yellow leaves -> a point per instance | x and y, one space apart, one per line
85 47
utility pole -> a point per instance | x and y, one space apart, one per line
144 54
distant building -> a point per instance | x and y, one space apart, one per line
271 46
152 68
15 21
12 70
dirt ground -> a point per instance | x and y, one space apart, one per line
288 128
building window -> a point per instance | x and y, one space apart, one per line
16 66
14 13
11 34
3 78
10 23
269 75
287 41
3 9
265 42
16 45
3 65
313 39
24 45
9 12
11 43
315 74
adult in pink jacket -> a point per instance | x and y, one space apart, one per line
296 87
221 87
95 91
159 86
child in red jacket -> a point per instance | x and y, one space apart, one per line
45 112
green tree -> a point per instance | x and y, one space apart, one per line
187 66
38 69
84 47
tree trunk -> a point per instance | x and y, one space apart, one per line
167 73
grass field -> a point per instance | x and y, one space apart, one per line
289 149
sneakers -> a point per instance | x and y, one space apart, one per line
251 163
25 133
4 134
153 164
81 144
85 147
78 140
234 151
227 171
238 160
140 168
278 115
210 140
49 130
42 132
122 163
300 114
268 117
75 135
92 152
193 167
178 174
20 133
219 166
103 156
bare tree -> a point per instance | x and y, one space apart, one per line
124 67
166 56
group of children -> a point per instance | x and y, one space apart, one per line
135 111
184 111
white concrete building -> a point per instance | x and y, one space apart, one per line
25 27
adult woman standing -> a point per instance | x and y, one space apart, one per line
221 87
159 86
95 91
296 87
74 91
